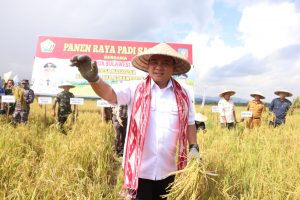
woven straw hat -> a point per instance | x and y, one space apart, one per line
181 64
231 92
288 94
200 118
66 84
257 93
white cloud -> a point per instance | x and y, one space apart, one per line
22 21
210 51
267 27
266 59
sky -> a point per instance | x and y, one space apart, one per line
243 45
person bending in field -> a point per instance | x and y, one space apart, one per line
257 107
161 118
280 106
226 109
64 106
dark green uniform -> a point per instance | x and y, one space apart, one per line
64 106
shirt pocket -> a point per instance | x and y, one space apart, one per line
153 105
170 108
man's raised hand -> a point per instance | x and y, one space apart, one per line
87 68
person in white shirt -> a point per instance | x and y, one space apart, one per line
161 119
226 109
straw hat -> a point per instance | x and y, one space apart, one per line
181 64
288 94
231 92
65 84
200 118
257 93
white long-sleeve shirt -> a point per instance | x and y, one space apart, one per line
159 155
226 109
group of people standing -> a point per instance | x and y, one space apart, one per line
24 96
279 107
161 133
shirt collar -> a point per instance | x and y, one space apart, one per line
153 84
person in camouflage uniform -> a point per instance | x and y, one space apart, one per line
119 119
24 97
64 106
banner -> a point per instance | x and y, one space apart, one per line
52 63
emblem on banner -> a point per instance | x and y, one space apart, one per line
184 52
47 46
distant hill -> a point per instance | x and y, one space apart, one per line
214 100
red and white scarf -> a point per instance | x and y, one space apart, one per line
138 126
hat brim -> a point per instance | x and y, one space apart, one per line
286 92
69 86
261 96
200 118
231 93
142 62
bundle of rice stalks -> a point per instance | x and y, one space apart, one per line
193 183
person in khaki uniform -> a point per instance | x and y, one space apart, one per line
257 107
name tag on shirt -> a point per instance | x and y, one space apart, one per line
246 114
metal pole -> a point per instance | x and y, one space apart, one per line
7 113
45 115
76 112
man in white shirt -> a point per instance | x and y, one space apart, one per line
161 119
226 109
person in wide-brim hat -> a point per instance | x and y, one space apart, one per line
66 85
227 91
257 93
288 94
64 105
227 110
159 90
280 107
181 65
257 107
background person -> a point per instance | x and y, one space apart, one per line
2 92
8 90
257 107
119 120
24 97
226 109
162 116
64 106
280 106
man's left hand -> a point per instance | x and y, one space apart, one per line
194 153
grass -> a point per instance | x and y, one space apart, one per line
38 162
